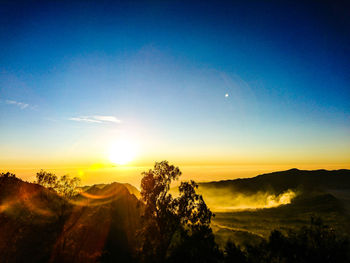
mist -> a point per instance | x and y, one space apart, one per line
224 200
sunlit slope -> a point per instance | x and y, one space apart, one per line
132 189
99 224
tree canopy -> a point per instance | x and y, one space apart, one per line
7 174
65 185
174 228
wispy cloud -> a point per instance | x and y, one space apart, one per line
96 119
106 118
18 104
84 119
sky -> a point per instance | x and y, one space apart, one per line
221 89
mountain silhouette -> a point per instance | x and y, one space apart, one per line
278 182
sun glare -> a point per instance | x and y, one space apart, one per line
122 152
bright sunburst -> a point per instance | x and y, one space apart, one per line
122 152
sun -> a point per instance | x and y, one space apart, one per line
122 152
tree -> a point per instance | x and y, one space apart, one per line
314 243
68 186
234 253
65 186
174 228
46 179
7 175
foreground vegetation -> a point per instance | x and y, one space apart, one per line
314 243
108 224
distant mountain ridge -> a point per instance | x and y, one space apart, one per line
277 182
281 181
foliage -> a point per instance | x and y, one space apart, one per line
65 185
234 253
7 175
315 243
174 228
46 179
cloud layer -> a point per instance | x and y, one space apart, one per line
96 119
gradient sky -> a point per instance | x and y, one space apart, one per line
77 75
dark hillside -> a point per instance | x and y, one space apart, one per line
31 218
36 225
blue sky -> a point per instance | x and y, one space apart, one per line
162 69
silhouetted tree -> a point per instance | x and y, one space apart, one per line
234 253
315 243
68 186
65 185
46 179
174 229
7 175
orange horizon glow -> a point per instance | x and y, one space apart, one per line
107 173
123 157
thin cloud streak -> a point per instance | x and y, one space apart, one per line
21 105
84 119
106 119
96 119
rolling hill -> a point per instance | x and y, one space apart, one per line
37 225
